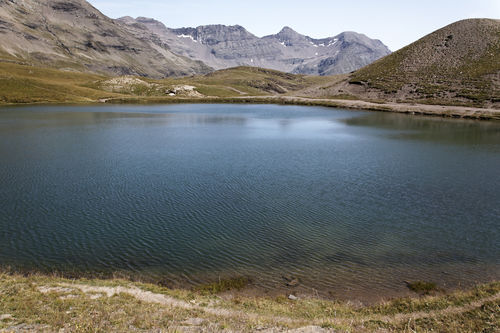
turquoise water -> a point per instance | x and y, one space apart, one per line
349 202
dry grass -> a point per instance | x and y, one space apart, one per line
457 64
26 84
22 83
51 303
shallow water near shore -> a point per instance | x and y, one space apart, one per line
351 203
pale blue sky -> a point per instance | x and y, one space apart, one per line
396 23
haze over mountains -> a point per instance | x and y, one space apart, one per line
222 47
75 35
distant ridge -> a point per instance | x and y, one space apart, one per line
221 47
73 35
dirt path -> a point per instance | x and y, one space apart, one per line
236 90
405 317
150 297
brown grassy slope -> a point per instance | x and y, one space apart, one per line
53 304
23 83
233 82
27 84
456 65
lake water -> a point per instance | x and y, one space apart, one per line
352 203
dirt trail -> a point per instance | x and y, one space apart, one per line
150 297
405 317
236 90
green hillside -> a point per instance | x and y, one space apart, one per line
21 83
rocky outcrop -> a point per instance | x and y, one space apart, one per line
222 47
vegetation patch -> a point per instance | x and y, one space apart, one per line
422 287
236 283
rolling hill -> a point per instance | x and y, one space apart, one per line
456 65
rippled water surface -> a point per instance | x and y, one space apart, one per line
349 202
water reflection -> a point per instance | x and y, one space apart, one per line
431 129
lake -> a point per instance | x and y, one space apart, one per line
352 203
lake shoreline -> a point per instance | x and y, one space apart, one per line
231 286
446 111
51 304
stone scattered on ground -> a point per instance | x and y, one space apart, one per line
6 317
311 329
47 290
25 328
68 297
291 281
307 329
293 297
95 296
185 90
193 321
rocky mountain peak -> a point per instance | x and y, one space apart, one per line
221 46
151 22
75 33
290 36
287 31
214 34
127 19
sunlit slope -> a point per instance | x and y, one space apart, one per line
458 64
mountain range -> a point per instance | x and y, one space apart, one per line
73 35
222 47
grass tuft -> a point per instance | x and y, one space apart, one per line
422 287
237 283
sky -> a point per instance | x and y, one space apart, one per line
397 23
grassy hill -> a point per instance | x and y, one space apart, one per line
456 65
22 83
28 84
51 304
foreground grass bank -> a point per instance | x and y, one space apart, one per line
48 303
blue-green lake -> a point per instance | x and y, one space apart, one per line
350 202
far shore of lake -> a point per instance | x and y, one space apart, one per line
447 111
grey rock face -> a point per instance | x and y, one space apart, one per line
222 46
74 35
